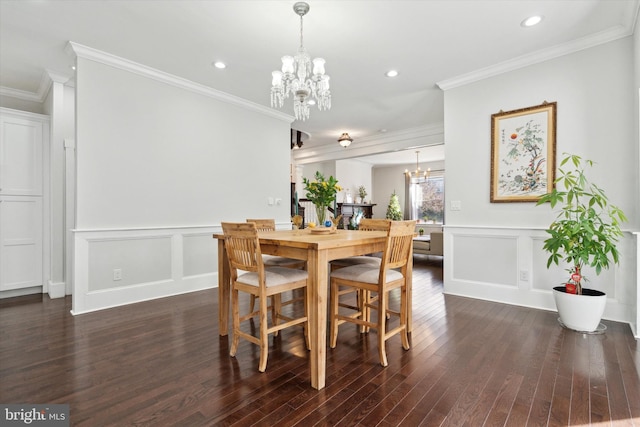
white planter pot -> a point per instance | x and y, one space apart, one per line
580 312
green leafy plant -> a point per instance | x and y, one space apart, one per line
587 227
362 192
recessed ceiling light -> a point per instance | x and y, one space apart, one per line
220 65
531 21
391 73
311 102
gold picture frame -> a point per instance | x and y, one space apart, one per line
523 153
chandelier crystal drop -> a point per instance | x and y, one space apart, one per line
299 79
418 174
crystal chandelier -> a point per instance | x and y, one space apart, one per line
418 173
297 79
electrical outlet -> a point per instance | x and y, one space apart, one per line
117 274
524 275
456 205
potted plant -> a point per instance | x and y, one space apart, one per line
362 192
584 233
421 231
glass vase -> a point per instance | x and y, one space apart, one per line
321 213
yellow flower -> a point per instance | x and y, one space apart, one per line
321 191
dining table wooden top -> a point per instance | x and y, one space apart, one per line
306 238
318 248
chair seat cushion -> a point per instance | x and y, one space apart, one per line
365 274
274 276
357 260
279 261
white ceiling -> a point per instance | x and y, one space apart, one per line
427 41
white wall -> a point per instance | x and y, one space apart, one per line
353 173
154 155
160 163
309 171
595 118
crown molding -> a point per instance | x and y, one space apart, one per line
25 114
376 144
48 77
105 58
54 77
539 56
20 94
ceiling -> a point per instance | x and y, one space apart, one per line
432 153
429 42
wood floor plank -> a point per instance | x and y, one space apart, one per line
471 362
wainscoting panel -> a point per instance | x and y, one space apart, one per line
138 260
124 266
543 279
508 265
200 254
486 258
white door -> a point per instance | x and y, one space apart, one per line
21 252
21 242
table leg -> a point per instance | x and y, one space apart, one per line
410 291
317 268
224 289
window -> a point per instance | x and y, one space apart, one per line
425 198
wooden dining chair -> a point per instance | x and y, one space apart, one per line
366 279
366 224
269 224
249 275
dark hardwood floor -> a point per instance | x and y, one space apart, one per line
472 363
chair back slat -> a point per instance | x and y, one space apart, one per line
370 224
265 224
399 244
243 247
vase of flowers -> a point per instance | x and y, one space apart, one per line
362 192
321 192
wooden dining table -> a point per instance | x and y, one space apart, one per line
317 249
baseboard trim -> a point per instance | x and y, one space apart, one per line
20 292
